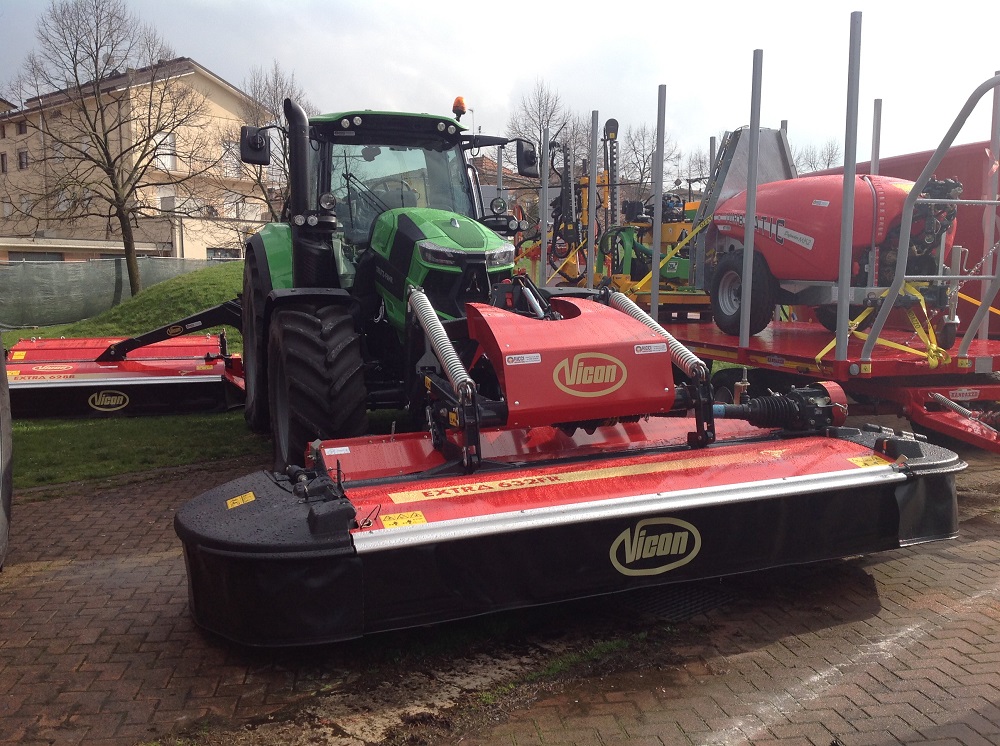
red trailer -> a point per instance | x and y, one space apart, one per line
922 357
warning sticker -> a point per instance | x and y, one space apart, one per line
530 358
395 520
235 502
19 355
337 451
865 461
649 349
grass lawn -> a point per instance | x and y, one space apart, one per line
54 451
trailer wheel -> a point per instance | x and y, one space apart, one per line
316 384
827 316
255 409
727 288
6 484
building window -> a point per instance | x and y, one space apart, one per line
35 256
3 163
231 164
3 131
22 159
235 206
6 209
166 151
22 127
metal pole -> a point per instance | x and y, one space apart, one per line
990 216
592 201
850 171
876 136
499 170
661 119
543 208
751 214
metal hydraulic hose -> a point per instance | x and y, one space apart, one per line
444 350
681 356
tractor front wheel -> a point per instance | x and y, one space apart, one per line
727 290
255 409
316 382
6 485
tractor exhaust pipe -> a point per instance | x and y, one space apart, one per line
298 150
298 189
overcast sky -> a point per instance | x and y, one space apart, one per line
923 59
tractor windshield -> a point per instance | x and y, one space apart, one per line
368 179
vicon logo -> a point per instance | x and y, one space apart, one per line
590 374
655 546
108 401
52 368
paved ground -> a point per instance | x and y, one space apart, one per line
96 647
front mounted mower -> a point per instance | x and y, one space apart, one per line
560 460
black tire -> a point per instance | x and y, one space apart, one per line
6 450
827 316
316 382
726 298
255 409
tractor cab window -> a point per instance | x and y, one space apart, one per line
368 179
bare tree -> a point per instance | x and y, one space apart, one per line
638 148
541 108
113 120
266 90
810 158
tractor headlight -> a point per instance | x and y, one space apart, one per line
433 253
442 256
500 257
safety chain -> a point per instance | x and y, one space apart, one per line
958 288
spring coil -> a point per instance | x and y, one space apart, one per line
444 350
681 356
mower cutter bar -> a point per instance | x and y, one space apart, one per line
62 378
386 534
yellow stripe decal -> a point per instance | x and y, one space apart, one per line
585 475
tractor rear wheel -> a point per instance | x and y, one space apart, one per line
727 289
255 409
6 485
316 383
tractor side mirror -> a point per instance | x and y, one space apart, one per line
527 159
255 146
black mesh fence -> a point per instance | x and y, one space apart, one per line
47 293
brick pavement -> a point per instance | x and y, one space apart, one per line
96 645
897 648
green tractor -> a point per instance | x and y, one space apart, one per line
378 203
